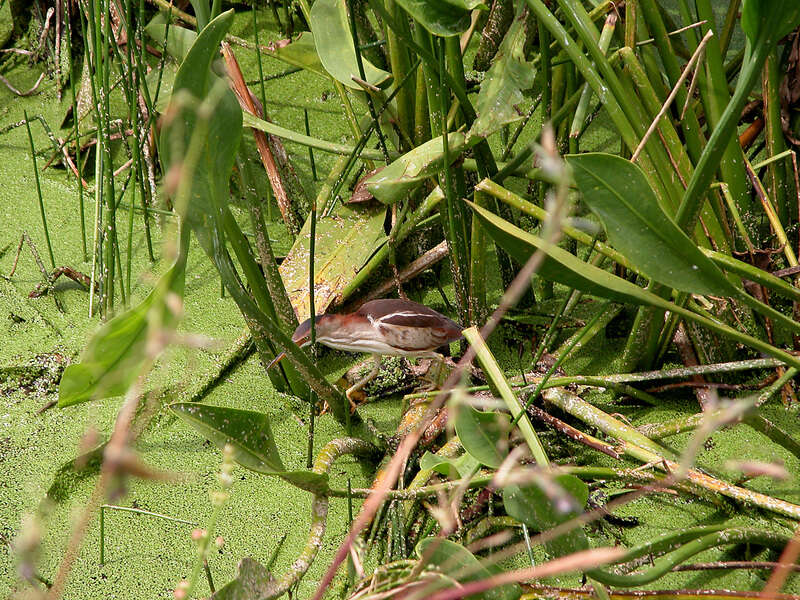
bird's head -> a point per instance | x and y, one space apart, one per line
302 335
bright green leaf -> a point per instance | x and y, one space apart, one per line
441 17
484 435
330 24
113 357
547 503
617 191
247 431
250 435
394 182
179 39
301 52
224 128
563 267
454 468
458 563
767 21
501 90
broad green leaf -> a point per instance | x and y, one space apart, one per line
225 126
330 24
563 267
252 581
109 358
617 191
458 563
501 90
547 503
559 265
250 435
179 39
394 182
345 240
112 358
454 468
301 52
444 18
767 21
484 435
249 432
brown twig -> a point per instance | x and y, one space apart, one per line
30 92
424 262
247 103
572 433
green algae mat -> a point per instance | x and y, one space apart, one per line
573 460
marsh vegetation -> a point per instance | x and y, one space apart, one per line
605 196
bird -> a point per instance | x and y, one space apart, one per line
386 327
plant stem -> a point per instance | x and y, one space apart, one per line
39 192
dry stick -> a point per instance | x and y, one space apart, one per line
572 433
706 396
575 594
246 102
672 94
578 561
430 258
785 565
386 479
30 92
73 168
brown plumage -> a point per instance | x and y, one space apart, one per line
382 327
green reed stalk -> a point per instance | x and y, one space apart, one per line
75 121
312 244
39 192
495 375
110 228
362 75
400 63
776 143
311 161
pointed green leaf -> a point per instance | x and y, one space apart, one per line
444 18
563 267
395 181
113 357
559 265
301 52
617 191
109 357
249 432
501 90
225 126
767 21
251 436
330 24
484 435
547 503
460 564
179 39
454 468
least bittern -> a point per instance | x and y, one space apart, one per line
381 327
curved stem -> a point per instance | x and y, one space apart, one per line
319 515
664 564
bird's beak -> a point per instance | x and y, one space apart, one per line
276 360
303 341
